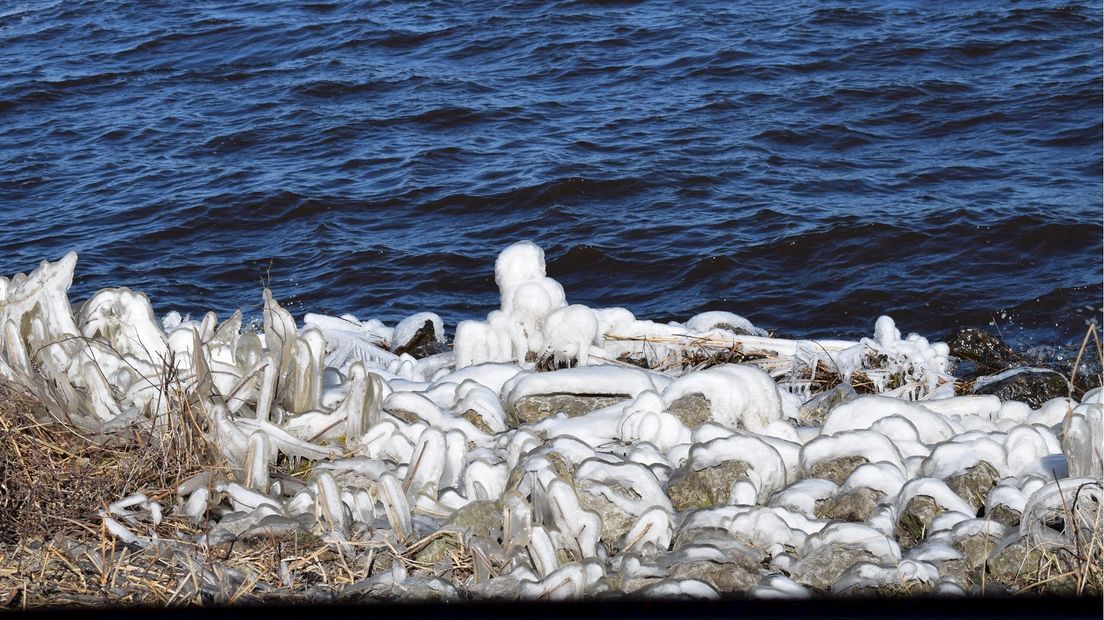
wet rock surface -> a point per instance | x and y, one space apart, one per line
477 420
1017 562
481 518
976 549
1033 386
816 410
1004 515
821 569
439 552
988 352
883 581
723 577
615 520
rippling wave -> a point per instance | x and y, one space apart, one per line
808 165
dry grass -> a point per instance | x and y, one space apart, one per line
97 570
56 551
55 479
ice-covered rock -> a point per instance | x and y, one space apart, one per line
826 555
834 457
727 321
1033 386
420 335
739 397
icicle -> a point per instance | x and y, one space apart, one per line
362 405
299 378
101 402
581 528
118 530
289 444
231 441
248 351
196 506
256 462
268 388
228 332
317 344
362 506
426 464
652 532
395 505
279 327
330 510
542 551
204 381
15 352
207 326
456 448
517 522
248 500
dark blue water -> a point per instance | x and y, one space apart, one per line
809 165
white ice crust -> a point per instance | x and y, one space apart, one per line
396 443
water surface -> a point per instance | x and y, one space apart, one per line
809 165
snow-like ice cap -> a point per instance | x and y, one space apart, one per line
519 263
716 319
874 447
935 489
568 334
865 410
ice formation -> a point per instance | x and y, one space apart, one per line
614 454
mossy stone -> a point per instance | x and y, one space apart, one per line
692 410
855 505
479 518
974 484
691 489
535 408
916 518
837 470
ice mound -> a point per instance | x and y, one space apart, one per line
558 451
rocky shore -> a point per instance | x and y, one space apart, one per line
550 452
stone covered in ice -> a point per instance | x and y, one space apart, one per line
739 397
